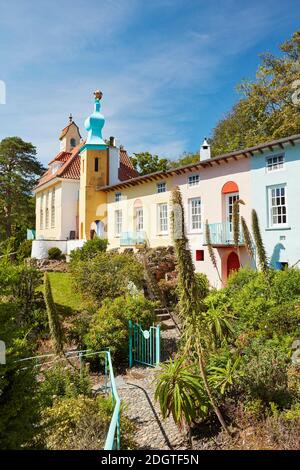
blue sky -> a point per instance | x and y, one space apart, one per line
167 68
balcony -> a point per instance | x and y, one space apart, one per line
133 239
221 235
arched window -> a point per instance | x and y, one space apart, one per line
73 142
230 187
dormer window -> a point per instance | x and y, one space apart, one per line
73 143
54 167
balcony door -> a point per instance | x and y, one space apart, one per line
230 200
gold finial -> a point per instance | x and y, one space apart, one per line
98 94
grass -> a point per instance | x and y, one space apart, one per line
64 293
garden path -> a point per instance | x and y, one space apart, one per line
136 388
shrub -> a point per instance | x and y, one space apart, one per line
89 250
81 423
53 318
109 328
24 250
55 253
63 381
107 275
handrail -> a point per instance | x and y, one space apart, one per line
113 437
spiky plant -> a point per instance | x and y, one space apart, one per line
236 226
190 300
211 250
247 238
261 252
53 319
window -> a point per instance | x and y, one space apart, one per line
53 208
118 222
118 197
47 210
73 142
97 164
139 219
277 206
161 187
274 163
42 212
163 218
193 180
199 255
195 213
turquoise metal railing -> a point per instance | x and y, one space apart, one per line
221 234
144 345
132 238
113 437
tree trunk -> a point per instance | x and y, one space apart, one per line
207 388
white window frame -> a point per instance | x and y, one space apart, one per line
162 221
47 218
193 180
270 189
193 216
161 187
275 165
118 222
139 219
53 208
42 212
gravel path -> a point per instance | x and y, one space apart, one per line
136 389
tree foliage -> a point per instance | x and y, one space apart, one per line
19 170
53 318
267 109
146 163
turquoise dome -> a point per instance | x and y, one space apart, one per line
94 125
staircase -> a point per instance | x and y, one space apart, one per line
170 333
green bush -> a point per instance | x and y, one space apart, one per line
107 275
109 327
55 253
24 250
89 250
81 423
63 381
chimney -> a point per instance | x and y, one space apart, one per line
204 150
112 141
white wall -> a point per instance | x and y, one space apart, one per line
40 247
114 159
69 201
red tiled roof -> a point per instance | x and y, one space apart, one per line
126 168
70 168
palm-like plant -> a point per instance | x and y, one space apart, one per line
261 252
223 377
211 250
180 393
247 238
218 324
236 225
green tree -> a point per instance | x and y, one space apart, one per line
185 159
19 170
146 163
267 109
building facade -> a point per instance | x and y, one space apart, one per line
108 198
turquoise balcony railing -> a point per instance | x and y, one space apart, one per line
221 234
133 238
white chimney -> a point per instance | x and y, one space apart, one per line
204 150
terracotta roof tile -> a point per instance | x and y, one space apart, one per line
70 168
126 168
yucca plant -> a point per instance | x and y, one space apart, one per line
261 252
218 324
180 393
211 250
223 377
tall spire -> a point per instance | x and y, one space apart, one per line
94 125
